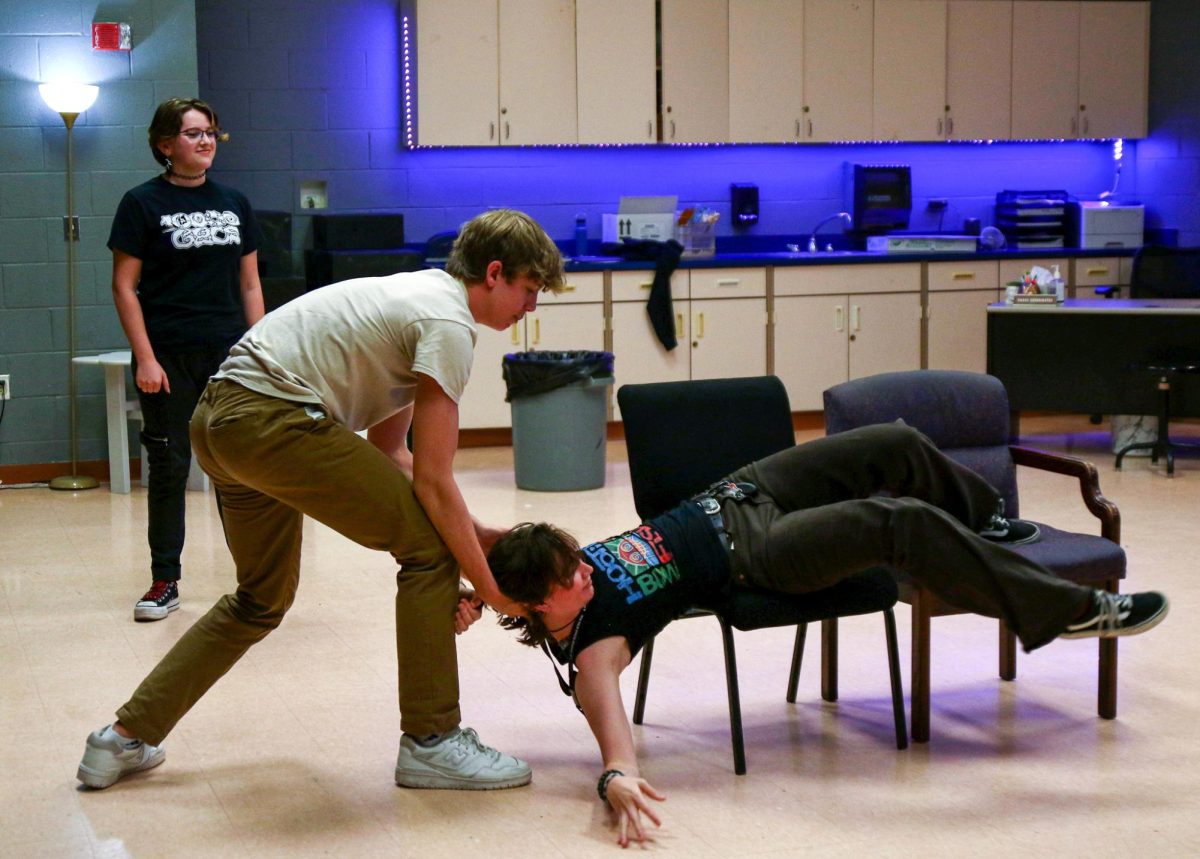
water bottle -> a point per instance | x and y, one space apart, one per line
581 235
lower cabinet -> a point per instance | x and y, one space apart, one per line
720 319
956 314
827 324
871 324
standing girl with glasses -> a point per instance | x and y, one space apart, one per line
185 283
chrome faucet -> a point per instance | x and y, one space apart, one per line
812 239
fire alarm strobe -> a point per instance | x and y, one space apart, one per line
111 36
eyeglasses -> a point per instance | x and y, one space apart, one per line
194 134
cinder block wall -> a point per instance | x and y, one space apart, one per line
48 40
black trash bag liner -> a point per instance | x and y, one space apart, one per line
529 373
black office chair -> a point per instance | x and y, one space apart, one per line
1160 272
683 436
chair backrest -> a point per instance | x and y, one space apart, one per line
1166 273
682 436
965 414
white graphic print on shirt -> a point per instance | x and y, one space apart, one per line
200 229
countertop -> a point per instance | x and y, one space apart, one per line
757 259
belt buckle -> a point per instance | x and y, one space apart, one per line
709 505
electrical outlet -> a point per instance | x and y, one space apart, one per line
5 392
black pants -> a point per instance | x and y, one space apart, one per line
820 517
164 435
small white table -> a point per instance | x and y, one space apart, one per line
119 412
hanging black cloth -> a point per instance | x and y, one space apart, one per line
666 259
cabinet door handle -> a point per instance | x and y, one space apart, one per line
645 285
513 329
964 275
672 129
491 131
1098 270
568 287
678 324
797 129
650 129
537 331
1085 124
839 318
700 326
939 133
810 128
950 126
855 317
729 281
1074 126
506 130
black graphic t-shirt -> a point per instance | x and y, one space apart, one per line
647 577
191 242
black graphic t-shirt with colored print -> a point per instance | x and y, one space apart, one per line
191 242
647 577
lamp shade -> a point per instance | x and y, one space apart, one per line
67 97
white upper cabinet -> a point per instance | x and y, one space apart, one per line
838 46
910 70
495 72
1090 78
695 71
615 56
766 71
1114 63
1045 69
979 69
537 72
458 73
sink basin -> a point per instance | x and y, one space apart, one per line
815 254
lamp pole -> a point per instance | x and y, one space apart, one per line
69 103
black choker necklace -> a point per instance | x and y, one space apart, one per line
185 177
565 625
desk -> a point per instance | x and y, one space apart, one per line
118 413
1076 356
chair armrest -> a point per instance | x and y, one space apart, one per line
1089 484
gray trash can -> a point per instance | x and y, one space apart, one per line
560 417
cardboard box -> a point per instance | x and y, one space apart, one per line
641 218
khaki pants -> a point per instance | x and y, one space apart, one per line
272 463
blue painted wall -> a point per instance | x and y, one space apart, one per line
47 40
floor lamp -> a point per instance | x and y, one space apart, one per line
70 100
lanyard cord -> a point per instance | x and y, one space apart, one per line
567 684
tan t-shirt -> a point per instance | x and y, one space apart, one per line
356 347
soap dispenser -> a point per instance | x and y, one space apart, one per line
581 235
1060 288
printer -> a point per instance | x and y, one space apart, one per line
1101 224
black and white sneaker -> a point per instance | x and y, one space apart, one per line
1010 532
158 602
1115 615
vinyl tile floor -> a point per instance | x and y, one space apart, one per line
291 754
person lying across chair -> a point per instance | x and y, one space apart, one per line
793 522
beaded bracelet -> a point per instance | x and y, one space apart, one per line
602 785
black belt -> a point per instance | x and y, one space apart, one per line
712 509
709 501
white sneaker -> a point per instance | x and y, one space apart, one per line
459 761
108 757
